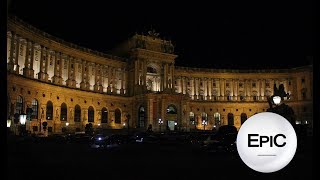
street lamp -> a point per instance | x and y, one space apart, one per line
8 122
276 100
23 118
160 123
204 123
67 124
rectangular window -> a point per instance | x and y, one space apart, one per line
254 85
227 84
240 85
289 83
214 84
267 84
302 80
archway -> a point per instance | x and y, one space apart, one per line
243 117
104 115
117 114
230 119
90 114
63 112
49 111
77 113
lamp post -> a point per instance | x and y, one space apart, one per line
204 123
23 118
160 123
278 106
8 125
67 124
276 100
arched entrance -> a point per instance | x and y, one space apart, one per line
141 117
230 119
171 117
243 117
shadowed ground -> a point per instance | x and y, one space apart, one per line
52 160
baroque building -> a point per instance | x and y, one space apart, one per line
136 86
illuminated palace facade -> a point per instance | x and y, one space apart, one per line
63 82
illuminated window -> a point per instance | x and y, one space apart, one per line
35 108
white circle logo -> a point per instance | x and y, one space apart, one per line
266 142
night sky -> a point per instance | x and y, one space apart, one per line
230 35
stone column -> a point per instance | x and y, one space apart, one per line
100 78
222 84
26 69
83 76
263 89
165 76
32 59
109 80
55 78
195 88
46 65
235 89
122 75
16 62
259 90
209 85
41 73
96 79
10 65
71 82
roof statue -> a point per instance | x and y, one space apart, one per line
153 33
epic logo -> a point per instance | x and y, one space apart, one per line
265 139
266 142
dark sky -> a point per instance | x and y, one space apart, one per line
230 35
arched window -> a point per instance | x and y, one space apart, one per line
243 117
151 70
104 115
90 114
19 105
49 111
204 116
141 118
77 113
63 112
117 114
230 119
191 117
217 120
35 108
